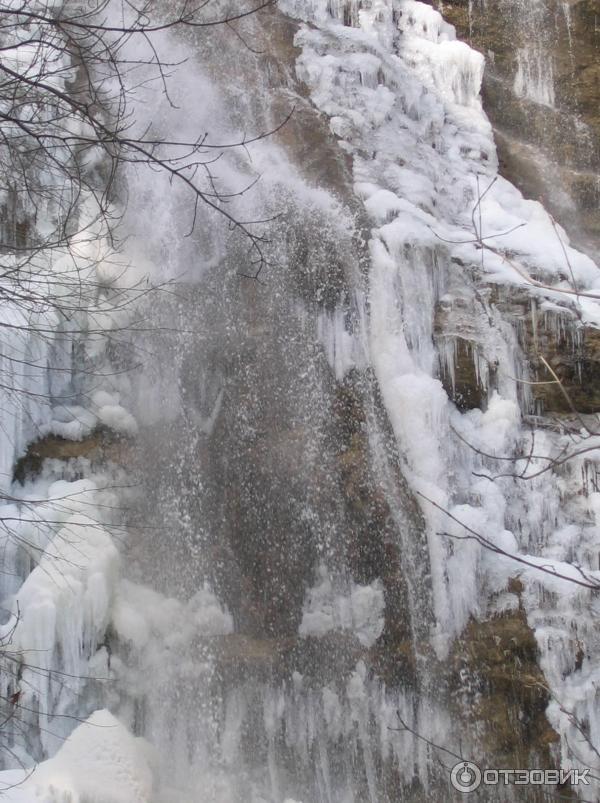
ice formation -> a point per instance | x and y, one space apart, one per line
359 611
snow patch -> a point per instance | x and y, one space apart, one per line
100 761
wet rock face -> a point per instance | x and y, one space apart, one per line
371 549
461 324
463 383
501 690
542 93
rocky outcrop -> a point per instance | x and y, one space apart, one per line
559 370
501 690
573 353
100 447
554 336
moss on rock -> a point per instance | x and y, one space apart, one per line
502 691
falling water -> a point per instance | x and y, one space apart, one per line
272 475
534 78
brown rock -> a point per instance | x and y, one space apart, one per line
101 446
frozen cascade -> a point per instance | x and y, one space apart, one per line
294 593
534 78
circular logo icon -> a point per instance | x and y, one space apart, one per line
466 776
